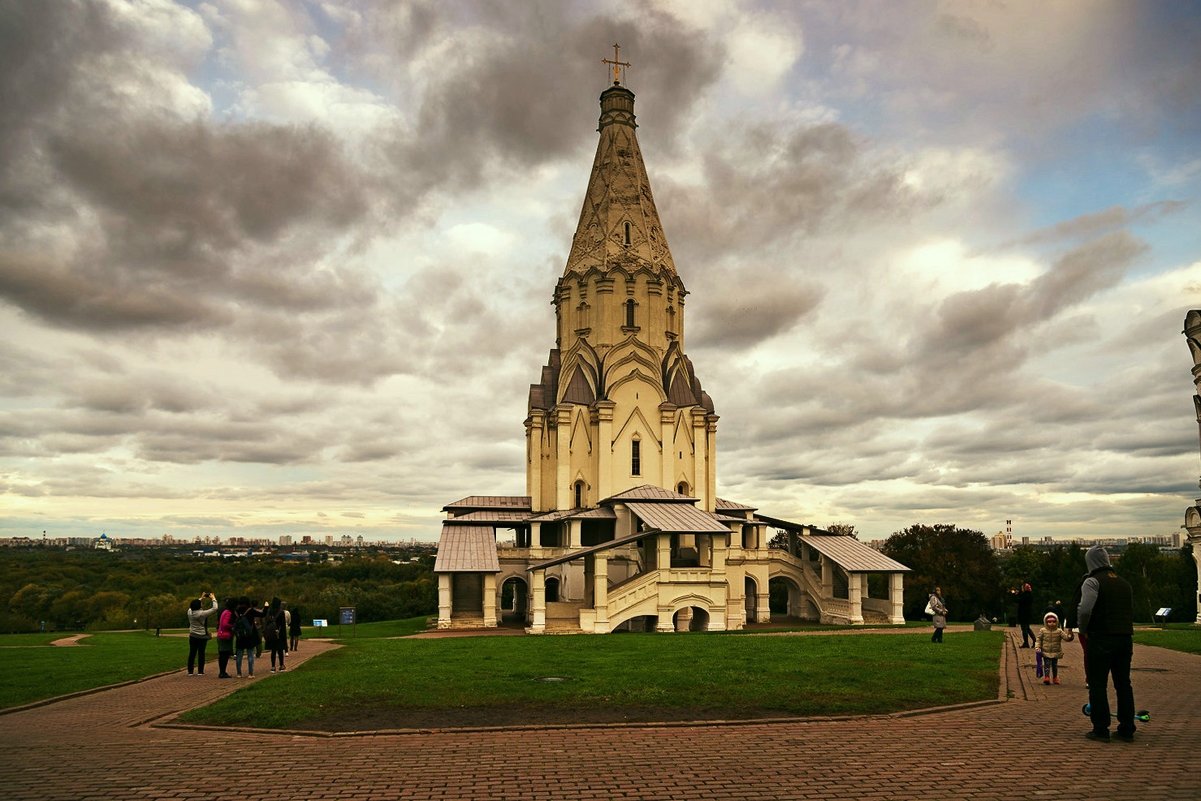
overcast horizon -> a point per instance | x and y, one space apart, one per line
286 268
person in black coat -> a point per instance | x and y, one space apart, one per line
1025 613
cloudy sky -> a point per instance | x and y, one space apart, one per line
286 267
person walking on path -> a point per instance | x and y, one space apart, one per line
198 631
1025 611
938 609
1106 616
1050 645
294 630
225 638
245 635
275 633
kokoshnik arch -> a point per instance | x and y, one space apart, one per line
622 527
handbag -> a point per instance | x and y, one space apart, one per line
929 608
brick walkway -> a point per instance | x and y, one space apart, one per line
106 746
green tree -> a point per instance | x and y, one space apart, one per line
956 559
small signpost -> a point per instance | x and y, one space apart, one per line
346 617
320 623
1161 617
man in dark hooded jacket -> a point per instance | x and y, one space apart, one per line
1106 616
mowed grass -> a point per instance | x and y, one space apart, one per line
373 683
1179 637
34 670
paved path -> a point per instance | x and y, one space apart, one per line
106 746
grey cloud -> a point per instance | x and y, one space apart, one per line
1100 222
769 303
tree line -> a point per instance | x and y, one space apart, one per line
149 588
976 580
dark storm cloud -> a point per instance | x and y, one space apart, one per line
770 182
767 304
505 103
969 321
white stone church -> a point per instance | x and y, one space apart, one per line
622 527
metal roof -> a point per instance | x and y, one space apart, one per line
490 502
651 493
677 518
852 555
732 506
467 549
602 513
487 516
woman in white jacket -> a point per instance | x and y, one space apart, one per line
198 632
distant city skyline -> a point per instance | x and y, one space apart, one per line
274 268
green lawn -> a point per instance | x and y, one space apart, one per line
376 683
33 669
1178 636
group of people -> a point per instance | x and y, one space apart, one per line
1104 619
245 628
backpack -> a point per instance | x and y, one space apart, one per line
244 629
270 627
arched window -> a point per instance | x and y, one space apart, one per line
682 488
629 314
552 590
579 495
627 234
635 458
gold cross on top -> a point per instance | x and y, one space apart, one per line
617 64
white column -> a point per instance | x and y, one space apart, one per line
489 606
701 471
896 594
575 533
667 464
538 608
855 594
444 600
600 592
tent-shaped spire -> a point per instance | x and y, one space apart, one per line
619 225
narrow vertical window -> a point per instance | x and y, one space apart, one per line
627 234
629 314
682 488
635 458
579 495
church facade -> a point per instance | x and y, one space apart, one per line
622 527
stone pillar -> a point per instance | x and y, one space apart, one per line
563 499
684 619
663 556
663 624
718 551
855 594
535 438
1192 524
827 577
444 600
667 465
604 446
600 592
701 461
711 462
489 609
538 607
1192 516
896 594
575 533
535 541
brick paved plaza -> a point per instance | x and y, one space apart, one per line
117 744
